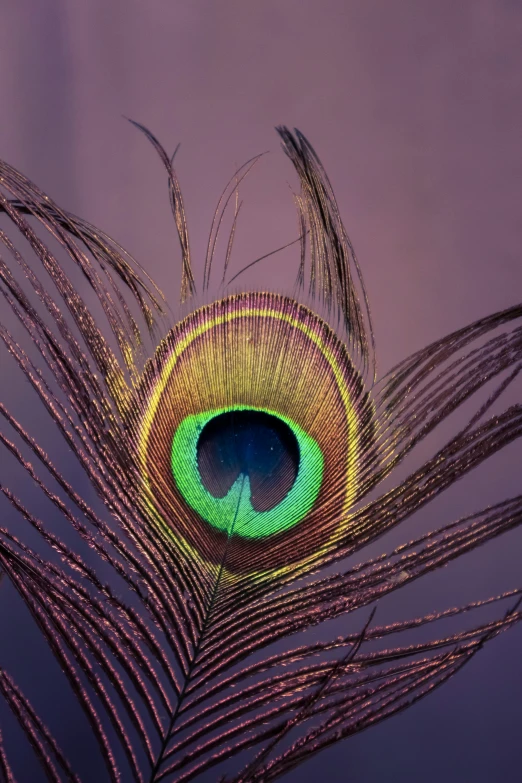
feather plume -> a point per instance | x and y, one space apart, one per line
237 471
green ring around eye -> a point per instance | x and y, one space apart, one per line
234 511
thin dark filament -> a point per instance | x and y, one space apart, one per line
261 258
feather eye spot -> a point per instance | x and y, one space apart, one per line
251 437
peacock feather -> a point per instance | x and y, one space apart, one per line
239 461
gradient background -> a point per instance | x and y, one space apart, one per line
415 108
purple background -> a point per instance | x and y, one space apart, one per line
415 108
